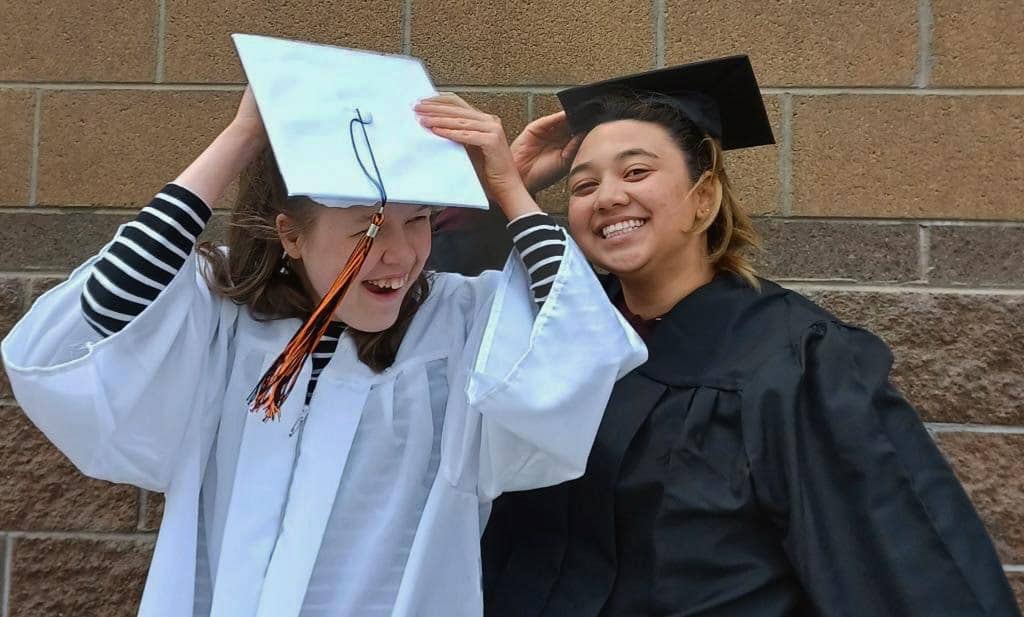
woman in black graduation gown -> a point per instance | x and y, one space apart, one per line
760 464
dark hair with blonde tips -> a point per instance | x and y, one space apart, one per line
730 230
249 272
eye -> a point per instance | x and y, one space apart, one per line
637 173
583 188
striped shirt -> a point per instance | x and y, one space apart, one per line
147 252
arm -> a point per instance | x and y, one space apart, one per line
148 252
873 518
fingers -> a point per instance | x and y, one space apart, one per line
449 122
466 137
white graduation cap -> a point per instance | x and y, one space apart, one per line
317 100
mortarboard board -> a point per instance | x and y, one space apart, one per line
308 95
721 96
344 133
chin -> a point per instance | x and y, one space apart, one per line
371 323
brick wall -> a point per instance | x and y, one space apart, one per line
894 196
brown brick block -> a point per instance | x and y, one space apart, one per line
102 40
199 48
541 42
1017 583
120 147
839 251
12 301
54 242
957 357
977 256
992 470
16 118
42 491
101 578
977 43
908 156
153 512
794 43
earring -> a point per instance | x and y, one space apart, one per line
284 263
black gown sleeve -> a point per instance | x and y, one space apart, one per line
872 517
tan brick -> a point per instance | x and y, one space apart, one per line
199 47
101 578
511 107
540 42
800 42
41 491
17 110
977 43
101 40
992 470
752 171
908 156
957 357
119 147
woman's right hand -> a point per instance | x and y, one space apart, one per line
544 150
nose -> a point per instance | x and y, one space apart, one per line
610 194
396 249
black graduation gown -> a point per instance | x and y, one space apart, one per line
759 465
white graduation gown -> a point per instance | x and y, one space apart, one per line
161 405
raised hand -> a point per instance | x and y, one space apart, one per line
448 116
544 151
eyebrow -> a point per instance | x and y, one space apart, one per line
625 154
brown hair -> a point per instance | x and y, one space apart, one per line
250 272
730 230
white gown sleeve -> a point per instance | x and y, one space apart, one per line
118 407
539 381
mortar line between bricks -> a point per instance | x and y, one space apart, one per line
32 274
852 220
924 252
954 427
143 500
33 170
924 44
785 164
1013 568
406 27
5 610
161 35
531 107
519 88
659 11
805 285
139 537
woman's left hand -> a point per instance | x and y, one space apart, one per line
448 116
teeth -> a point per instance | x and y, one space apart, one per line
619 229
389 283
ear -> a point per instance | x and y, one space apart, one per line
708 197
288 234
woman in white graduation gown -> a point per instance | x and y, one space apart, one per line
374 506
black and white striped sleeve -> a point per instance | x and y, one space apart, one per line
540 243
143 259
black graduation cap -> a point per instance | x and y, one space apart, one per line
721 96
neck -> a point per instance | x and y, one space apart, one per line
652 294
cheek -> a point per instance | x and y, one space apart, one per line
578 214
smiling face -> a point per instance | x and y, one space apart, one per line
633 209
396 259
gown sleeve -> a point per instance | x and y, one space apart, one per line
118 406
873 519
538 378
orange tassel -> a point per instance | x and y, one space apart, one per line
277 383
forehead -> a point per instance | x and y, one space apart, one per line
610 138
